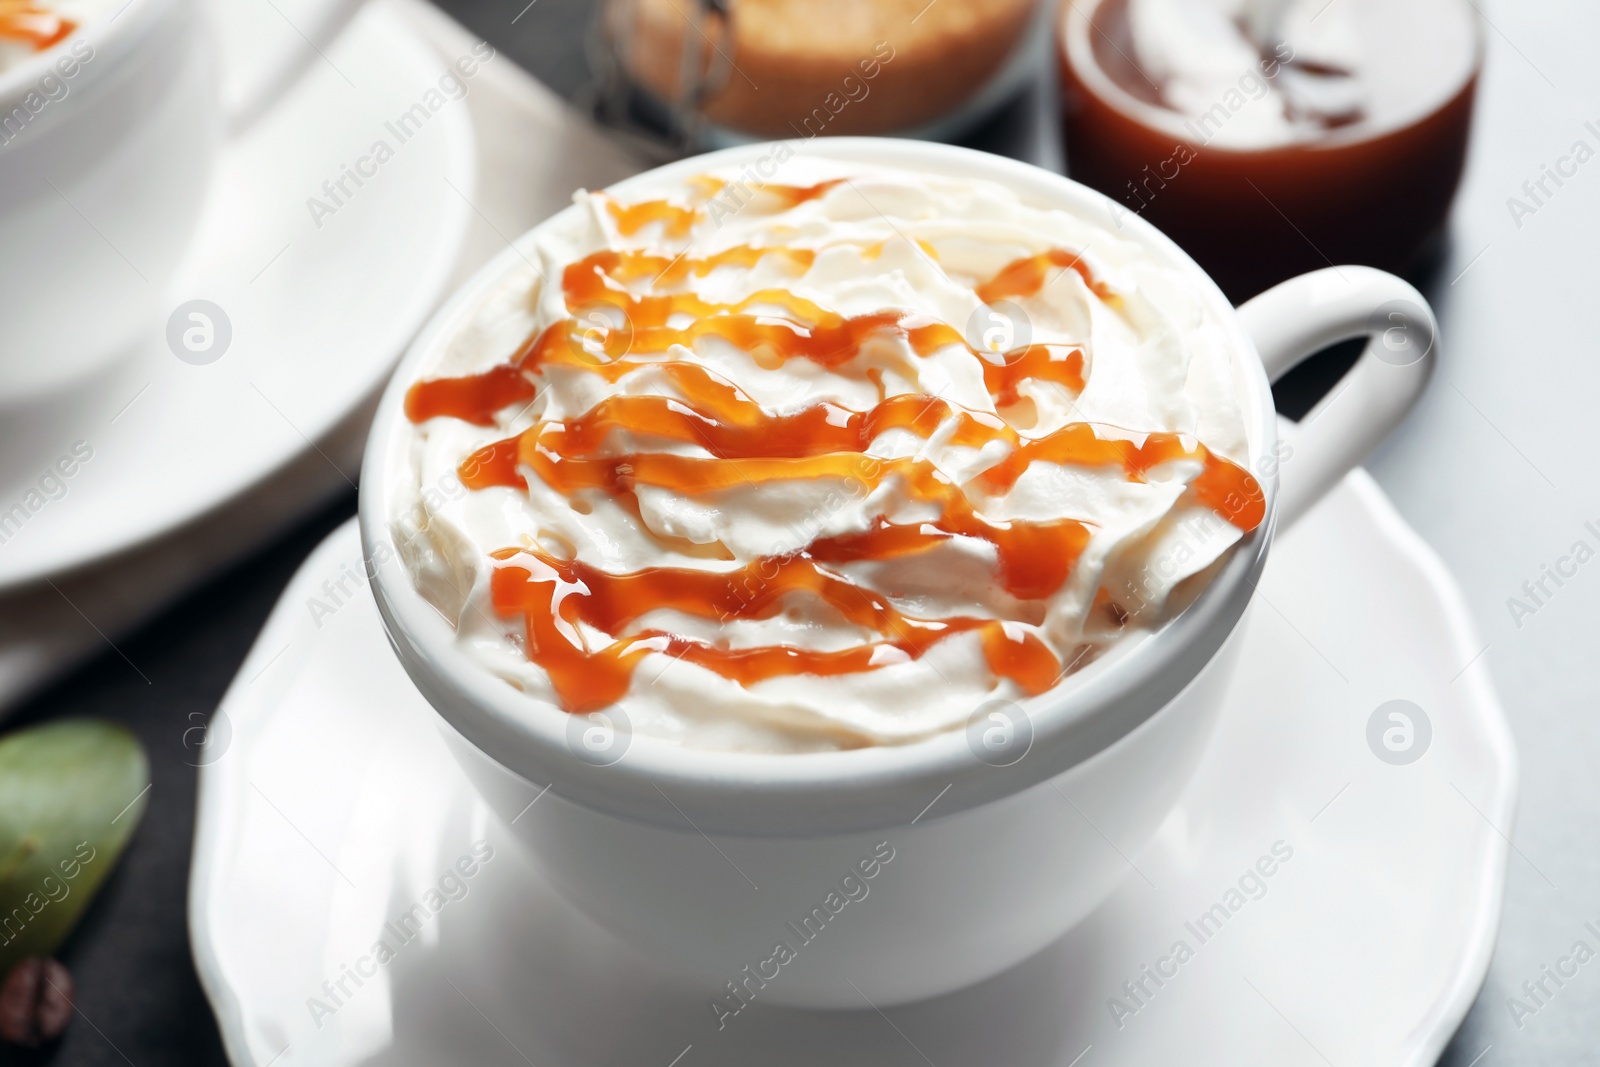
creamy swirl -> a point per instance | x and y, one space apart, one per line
823 464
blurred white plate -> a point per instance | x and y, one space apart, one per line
329 806
319 307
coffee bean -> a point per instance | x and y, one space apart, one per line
35 1002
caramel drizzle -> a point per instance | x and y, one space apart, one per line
556 595
679 218
750 445
1026 276
25 21
474 398
807 331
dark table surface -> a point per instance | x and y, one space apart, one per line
141 1003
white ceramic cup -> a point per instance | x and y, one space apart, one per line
944 868
107 142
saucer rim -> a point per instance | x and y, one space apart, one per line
1461 631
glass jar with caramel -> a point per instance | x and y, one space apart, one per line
1273 137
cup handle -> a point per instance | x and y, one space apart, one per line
286 62
1306 314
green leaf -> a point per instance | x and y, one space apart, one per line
71 794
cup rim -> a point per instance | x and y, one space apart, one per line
811 794
116 32
1072 45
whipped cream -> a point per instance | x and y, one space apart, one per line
1155 360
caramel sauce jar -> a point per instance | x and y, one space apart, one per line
1372 188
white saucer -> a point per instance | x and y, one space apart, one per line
318 315
329 807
